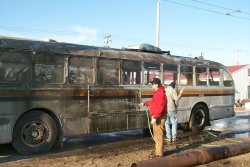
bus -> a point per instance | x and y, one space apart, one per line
50 90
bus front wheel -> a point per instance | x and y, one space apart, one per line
34 133
198 118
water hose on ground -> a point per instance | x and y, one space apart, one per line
228 139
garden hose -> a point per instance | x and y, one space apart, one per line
149 127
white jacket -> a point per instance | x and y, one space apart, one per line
172 98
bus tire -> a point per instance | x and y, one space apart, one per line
34 133
198 118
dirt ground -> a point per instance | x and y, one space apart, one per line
109 152
124 153
237 161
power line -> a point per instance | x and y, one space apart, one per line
208 10
114 36
220 7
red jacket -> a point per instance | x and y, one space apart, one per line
158 104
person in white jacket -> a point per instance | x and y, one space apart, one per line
172 111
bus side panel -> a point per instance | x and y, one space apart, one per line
9 113
6 124
184 109
221 107
75 116
116 122
219 103
15 107
115 110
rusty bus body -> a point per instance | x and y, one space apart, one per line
51 89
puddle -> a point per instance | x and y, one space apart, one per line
242 135
241 121
114 136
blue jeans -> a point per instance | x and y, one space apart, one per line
171 119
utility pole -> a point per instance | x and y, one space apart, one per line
158 25
107 40
237 55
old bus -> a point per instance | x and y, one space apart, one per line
49 90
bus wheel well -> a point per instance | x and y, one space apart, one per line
59 140
207 110
199 117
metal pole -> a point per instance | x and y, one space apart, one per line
196 157
237 54
158 25
88 97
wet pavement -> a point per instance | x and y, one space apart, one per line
239 125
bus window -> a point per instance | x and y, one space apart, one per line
169 73
151 70
14 66
227 79
81 70
131 72
49 68
214 76
201 75
107 71
186 75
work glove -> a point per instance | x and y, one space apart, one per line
141 104
153 120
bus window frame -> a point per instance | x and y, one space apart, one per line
190 83
133 70
230 76
146 76
175 73
28 64
197 76
118 70
92 67
210 77
49 54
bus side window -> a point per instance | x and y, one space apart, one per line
49 68
81 70
169 73
151 70
227 79
186 77
201 75
131 72
15 66
214 76
107 71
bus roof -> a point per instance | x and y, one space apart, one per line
136 53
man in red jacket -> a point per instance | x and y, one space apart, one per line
158 111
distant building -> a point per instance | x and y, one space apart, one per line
241 76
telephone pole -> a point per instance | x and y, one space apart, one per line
237 56
158 25
107 40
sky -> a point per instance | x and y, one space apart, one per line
219 30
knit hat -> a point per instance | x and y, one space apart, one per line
156 81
